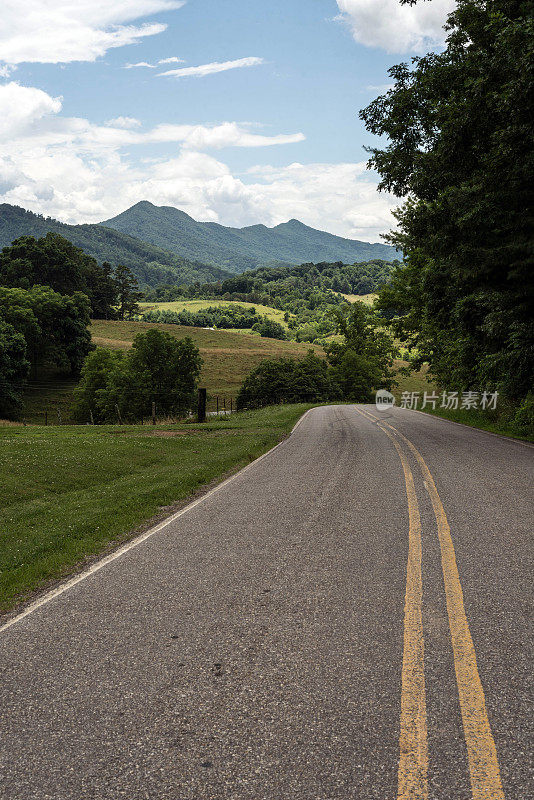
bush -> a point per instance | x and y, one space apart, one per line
524 418
286 380
270 329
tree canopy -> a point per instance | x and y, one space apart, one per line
158 368
459 125
53 261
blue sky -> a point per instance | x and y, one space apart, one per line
274 134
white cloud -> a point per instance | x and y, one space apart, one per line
60 31
70 169
139 64
22 106
123 122
211 69
227 134
396 28
171 60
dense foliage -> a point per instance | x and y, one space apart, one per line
240 249
309 293
122 386
53 261
363 360
150 265
286 380
239 317
461 150
225 317
41 327
354 367
14 369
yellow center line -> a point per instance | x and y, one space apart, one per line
413 760
481 751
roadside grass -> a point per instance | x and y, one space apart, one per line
199 305
70 492
485 420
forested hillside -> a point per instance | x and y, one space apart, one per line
309 292
150 265
240 249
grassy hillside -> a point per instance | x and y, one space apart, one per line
150 264
198 305
228 355
239 249
368 299
70 492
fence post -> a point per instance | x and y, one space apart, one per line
201 405
46 417
118 413
153 413
217 405
92 418
59 416
224 404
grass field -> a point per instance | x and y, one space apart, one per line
228 356
198 305
68 492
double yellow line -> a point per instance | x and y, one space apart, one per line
481 752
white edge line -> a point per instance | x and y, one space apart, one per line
45 599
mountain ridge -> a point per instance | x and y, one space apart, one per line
150 264
240 249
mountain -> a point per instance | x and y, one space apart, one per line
240 249
150 264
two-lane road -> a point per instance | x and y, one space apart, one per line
347 618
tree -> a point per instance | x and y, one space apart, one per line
363 361
461 151
270 329
54 326
170 368
128 295
158 368
286 380
14 369
53 261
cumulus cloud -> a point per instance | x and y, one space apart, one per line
62 31
210 69
396 28
76 171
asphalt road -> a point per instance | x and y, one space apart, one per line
347 618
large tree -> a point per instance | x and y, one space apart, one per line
53 261
54 326
461 153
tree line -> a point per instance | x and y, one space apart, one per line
460 153
309 293
49 290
